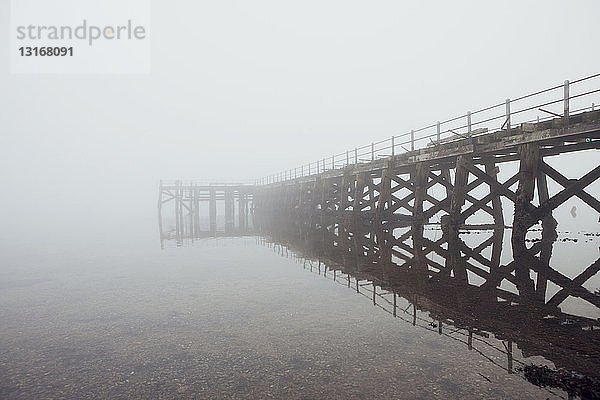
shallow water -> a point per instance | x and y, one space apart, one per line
226 318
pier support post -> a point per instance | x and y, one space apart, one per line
492 170
419 178
242 211
323 202
385 196
179 227
451 223
196 212
549 236
358 195
229 211
528 169
344 226
212 210
383 234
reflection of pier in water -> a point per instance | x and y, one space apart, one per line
488 319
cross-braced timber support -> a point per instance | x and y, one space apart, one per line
457 185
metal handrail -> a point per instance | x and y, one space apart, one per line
381 149
198 182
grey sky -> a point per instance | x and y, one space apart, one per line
240 89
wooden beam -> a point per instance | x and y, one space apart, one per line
565 183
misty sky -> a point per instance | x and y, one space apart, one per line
240 89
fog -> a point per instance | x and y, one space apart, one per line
241 89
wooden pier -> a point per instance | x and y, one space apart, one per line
452 180
448 173
376 199
396 215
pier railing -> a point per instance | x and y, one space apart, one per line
560 101
204 183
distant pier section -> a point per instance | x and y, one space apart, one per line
194 210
